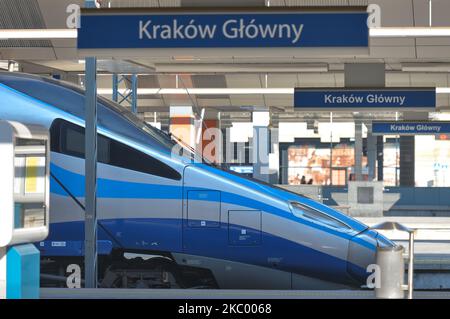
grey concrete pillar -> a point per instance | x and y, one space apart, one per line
284 176
371 152
358 150
227 146
261 146
380 158
407 151
261 149
363 75
274 149
407 161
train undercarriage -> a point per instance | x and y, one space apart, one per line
130 270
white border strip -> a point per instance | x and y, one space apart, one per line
384 32
409 32
6 34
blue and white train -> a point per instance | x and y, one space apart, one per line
168 221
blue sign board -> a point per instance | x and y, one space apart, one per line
332 99
410 128
220 30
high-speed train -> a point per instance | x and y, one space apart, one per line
168 221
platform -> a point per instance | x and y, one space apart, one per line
428 228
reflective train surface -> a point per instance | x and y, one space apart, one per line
168 221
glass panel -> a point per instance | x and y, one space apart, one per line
432 164
308 165
75 140
343 155
339 176
391 163
390 176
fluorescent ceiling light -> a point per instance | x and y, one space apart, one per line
443 90
198 91
223 91
426 67
410 32
185 58
241 67
38 34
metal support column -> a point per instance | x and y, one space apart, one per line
407 161
115 86
411 264
261 149
358 150
130 95
371 152
134 93
274 149
90 251
380 158
356 76
260 145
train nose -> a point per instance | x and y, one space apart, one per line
362 253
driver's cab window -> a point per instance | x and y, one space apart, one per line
68 138
315 215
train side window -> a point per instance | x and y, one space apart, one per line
68 138
127 157
72 143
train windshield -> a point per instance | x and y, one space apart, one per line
169 140
159 135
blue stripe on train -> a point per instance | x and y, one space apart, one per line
165 235
107 188
118 189
280 193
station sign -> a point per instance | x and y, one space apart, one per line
224 28
411 128
365 99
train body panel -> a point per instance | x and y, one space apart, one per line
151 200
265 233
